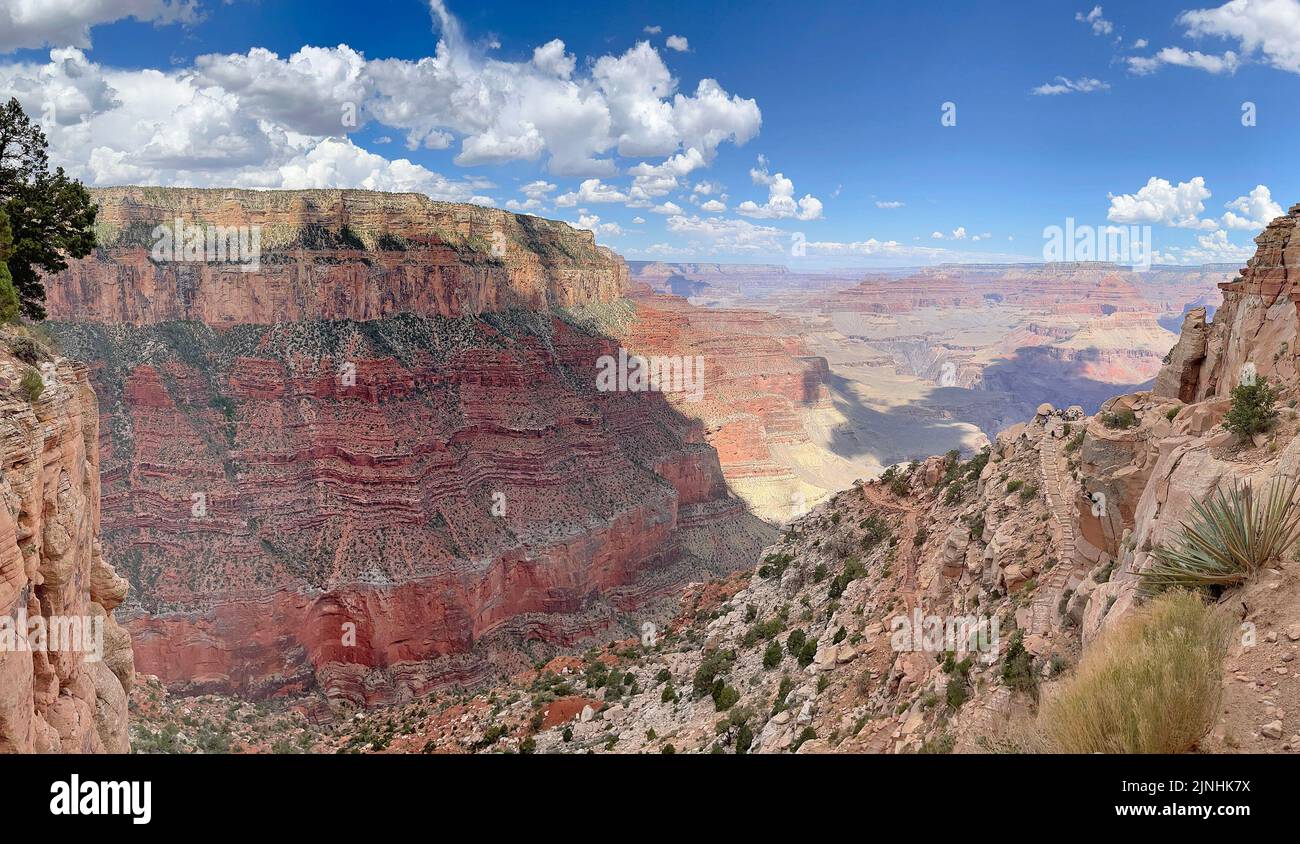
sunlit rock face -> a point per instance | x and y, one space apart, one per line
66 666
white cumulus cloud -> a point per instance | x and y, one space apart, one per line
1270 28
1099 24
67 23
1253 211
781 203
1161 202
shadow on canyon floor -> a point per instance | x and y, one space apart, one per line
1010 392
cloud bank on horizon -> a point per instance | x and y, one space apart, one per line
615 143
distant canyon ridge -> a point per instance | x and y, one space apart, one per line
379 463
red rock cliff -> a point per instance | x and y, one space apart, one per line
56 694
378 470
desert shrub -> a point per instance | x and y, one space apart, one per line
26 350
1028 491
956 693
388 242
808 734
943 743
782 691
1227 539
975 466
1172 413
1150 684
764 630
840 546
1121 419
1252 409
724 696
896 480
976 523
954 493
31 384
744 738
718 662
772 656
794 642
774 565
1013 486
1075 442
875 530
1018 666
807 653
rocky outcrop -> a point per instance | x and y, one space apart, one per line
1178 378
65 665
1257 324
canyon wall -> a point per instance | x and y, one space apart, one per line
378 464
327 254
62 688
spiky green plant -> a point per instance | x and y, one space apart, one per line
1228 538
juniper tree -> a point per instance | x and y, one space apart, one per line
51 215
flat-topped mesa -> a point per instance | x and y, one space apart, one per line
324 254
1257 324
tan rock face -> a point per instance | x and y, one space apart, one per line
332 254
1178 378
72 699
1257 324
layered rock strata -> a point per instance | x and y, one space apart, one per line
65 665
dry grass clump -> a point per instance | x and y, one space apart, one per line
1151 684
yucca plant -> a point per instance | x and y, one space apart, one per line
1228 538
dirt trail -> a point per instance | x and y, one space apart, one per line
1053 583
908 552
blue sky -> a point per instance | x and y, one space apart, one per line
841 99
